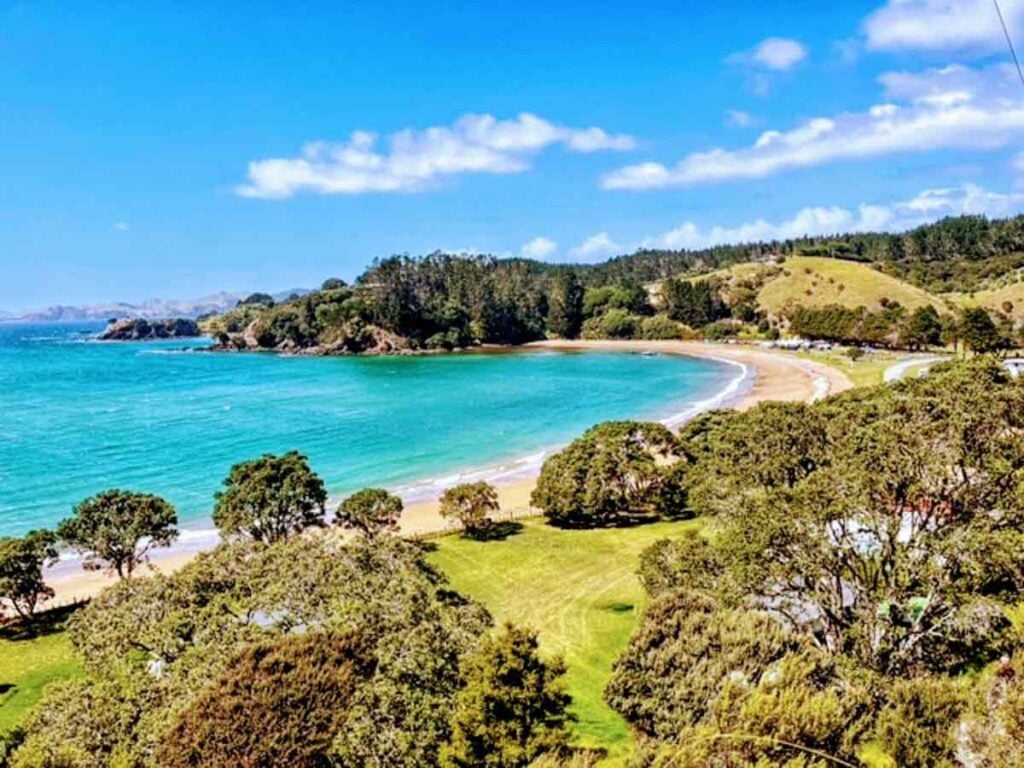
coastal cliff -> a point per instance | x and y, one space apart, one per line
138 329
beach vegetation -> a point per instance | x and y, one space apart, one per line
471 505
511 707
165 653
270 498
615 473
371 512
862 556
116 530
22 560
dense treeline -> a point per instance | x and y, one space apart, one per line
443 301
859 555
954 254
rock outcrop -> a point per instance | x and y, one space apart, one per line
137 329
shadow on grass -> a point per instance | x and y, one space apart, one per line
494 531
47 623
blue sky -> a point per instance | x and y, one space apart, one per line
177 149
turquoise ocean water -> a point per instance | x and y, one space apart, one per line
79 416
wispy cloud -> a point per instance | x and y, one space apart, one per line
941 25
954 107
738 118
121 226
776 53
595 247
414 159
539 248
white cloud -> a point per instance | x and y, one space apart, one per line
950 108
539 248
738 118
599 246
121 226
415 158
929 205
941 25
778 53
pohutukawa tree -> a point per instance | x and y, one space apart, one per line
117 530
471 504
270 498
22 560
371 511
616 472
512 707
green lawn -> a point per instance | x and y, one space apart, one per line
578 589
27 666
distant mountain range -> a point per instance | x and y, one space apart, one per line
151 309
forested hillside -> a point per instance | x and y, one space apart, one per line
443 301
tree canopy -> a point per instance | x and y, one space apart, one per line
370 511
270 498
615 472
511 708
22 560
471 504
117 529
858 556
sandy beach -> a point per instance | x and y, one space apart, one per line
769 376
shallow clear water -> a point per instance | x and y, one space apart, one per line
78 416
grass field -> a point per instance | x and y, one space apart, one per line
578 589
27 666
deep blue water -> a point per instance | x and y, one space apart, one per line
79 416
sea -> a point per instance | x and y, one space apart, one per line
79 416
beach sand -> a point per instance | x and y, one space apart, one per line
774 377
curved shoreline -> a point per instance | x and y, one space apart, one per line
764 376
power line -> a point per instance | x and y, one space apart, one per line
1009 40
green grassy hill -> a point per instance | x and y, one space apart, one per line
817 282
996 299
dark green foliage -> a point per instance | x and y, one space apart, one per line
628 296
888 326
116 529
695 303
471 504
565 305
709 684
979 332
662 328
690 562
923 329
269 498
262 299
511 708
612 324
616 472
277 703
152 647
370 511
22 560
860 554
